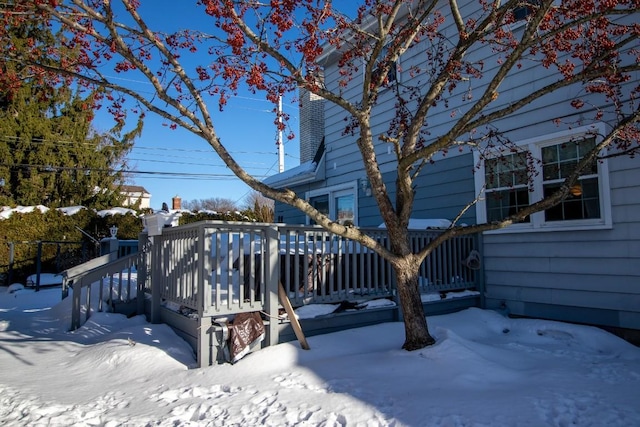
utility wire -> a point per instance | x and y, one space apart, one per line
36 141
189 163
50 168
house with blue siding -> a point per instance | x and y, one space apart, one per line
578 261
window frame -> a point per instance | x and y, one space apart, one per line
537 221
332 193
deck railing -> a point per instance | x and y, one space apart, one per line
104 281
217 268
195 276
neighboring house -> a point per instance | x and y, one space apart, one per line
134 194
577 262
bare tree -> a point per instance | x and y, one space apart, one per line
217 204
262 207
277 47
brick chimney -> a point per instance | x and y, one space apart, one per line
176 203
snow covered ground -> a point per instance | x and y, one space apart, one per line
484 370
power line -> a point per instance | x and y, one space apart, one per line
49 168
194 150
11 138
189 163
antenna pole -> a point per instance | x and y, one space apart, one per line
279 142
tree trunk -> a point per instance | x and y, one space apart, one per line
415 323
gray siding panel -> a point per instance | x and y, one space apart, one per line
442 190
591 283
580 276
617 266
559 249
570 298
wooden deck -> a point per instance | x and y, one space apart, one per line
192 276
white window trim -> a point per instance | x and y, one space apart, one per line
537 222
331 191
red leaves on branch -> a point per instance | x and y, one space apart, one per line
275 47
203 74
123 67
255 78
577 103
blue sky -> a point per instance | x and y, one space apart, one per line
175 162
175 156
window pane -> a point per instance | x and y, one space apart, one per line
591 197
501 204
566 168
491 177
321 203
583 202
551 171
567 151
392 74
345 210
561 159
584 147
507 185
506 171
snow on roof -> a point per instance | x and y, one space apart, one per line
6 211
305 170
133 189
425 223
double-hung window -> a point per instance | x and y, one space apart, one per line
537 168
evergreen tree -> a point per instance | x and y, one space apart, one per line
50 153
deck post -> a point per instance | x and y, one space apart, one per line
272 278
205 285
156 278
203 277
141 268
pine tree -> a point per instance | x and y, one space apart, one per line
50 153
